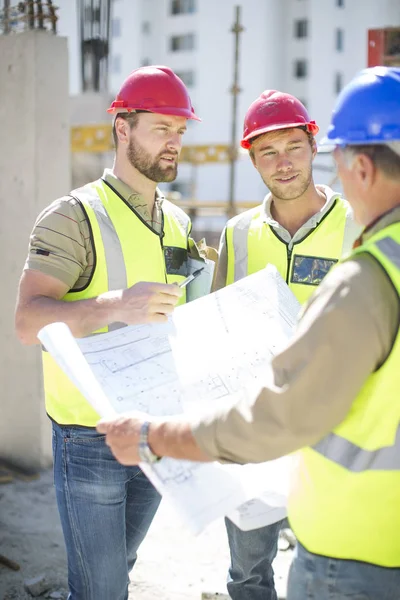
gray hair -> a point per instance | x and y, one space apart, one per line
386 157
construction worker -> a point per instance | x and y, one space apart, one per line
106 255
301 228
334 389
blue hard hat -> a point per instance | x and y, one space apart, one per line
367 110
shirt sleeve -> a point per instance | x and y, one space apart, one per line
346 332
58 242
222 266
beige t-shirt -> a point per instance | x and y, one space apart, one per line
345 333
60 243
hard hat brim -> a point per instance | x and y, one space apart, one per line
161 110
246 141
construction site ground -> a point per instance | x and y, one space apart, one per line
172 565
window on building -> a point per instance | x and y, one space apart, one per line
338 84
116 64
92 14
180 7
340 3
301 28
187 77
339 41
300 68
182 42
146 27
115 28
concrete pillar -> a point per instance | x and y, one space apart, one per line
34 171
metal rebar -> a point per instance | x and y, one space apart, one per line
236 29
6 17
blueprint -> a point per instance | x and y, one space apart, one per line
215 349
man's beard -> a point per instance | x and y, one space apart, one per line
150 167
290 191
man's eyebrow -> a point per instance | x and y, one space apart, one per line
269 147
168 124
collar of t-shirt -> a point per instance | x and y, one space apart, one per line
136 201
310 224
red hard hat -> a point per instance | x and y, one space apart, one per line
275 110
155 89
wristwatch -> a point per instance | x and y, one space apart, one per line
146 454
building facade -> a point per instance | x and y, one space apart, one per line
309 48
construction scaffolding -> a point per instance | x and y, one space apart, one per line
32 14
94 29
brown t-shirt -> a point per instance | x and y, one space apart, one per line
60 244
346 331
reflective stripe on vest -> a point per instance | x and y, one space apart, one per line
113 255
252 243
126 251
357 459
390 248
345 496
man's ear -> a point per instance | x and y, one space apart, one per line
314 148
122 130
365 170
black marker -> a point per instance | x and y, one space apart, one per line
190 278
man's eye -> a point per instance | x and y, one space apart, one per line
294 147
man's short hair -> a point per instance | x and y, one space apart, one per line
309 135
383 157
131 118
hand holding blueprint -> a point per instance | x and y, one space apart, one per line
214 349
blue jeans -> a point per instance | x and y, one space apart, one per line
314 577
251 576
105 511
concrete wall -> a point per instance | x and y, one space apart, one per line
34 170
89 108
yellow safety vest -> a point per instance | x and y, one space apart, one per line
126 250
252 244
346 492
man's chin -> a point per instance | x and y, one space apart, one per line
170 174
286 192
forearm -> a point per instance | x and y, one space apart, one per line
82 316
345 333
175 439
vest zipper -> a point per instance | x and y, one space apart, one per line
289 257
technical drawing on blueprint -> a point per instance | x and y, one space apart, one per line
217 348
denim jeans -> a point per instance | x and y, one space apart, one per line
314 577
251 576
105 511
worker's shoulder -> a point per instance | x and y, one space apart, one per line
177 213
363 272
245 217
336 198
66 206
175 210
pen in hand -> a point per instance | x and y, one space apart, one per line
190 278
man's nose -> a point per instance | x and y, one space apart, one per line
175 142
284 163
